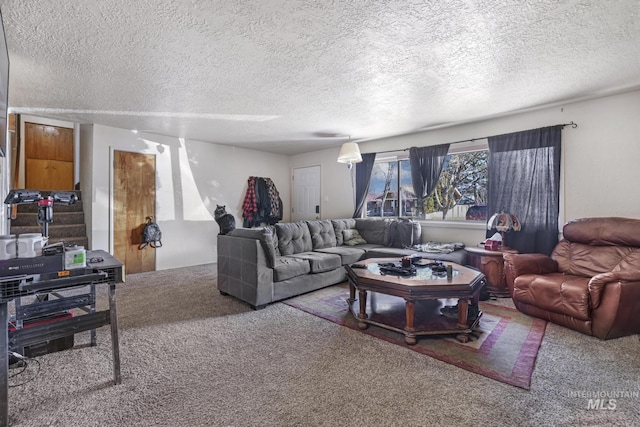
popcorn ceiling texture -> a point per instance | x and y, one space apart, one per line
250 73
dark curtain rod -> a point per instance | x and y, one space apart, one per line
572 124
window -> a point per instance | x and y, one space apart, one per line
460 195
382 199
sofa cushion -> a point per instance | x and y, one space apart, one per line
403 233
373 230
322 234
319 261
555 292
351 237
286 267
348 254
342 224
458 257
293 238
267 237
271 239
386 252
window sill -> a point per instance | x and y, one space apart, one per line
475 225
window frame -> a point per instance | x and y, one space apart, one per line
403 155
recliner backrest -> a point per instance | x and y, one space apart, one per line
598 245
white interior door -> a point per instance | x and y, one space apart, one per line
306 193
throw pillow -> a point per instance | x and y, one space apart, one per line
352 237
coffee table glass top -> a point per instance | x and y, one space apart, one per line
422 272
370 273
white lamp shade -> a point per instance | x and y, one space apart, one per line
349 153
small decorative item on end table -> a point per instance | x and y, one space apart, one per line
491 264
503 222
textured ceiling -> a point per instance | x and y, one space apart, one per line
285 75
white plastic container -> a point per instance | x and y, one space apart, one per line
8 247
30 245
75 257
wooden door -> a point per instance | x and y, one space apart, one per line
134 199
48 157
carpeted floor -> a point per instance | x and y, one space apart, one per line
504 346
191 357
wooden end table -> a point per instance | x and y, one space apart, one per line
492 266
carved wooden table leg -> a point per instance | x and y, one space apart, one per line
363 309
410 310
463 308
352 293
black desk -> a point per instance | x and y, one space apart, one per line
108 272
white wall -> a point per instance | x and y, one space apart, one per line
599 161
191 178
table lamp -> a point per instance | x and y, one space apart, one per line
503 222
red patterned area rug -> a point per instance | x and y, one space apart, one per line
504 347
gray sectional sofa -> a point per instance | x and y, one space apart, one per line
264 265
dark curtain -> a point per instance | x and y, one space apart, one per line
524 179
363 176
426 165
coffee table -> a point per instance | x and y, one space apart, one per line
411 305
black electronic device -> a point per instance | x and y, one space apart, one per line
34 265
45 204
397 271
48 346
21 197
53 249
64 197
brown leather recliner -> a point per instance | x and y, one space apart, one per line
591 281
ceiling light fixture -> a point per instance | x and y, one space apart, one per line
349 154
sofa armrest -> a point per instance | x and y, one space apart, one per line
599 281
243 270
521 264
518 264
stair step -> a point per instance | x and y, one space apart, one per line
73 230
68 221
59 218
57 208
